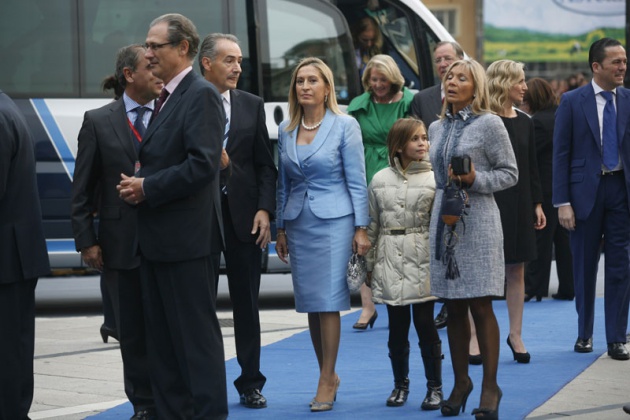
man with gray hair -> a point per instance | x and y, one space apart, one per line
176 190
427 104
248 201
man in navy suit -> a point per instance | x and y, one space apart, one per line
591 176
108 144
23 258
248 200
177 192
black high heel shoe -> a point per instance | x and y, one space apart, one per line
487 413
450 409
364 325
107 332
519 357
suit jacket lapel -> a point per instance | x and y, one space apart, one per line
120 124
436 100
169 106
589 106
322 134
235 110
623 108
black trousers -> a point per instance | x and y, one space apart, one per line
185 345
17 347
126 292
538 271
243 265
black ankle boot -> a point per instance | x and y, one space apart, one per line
399 357
399 394
432 360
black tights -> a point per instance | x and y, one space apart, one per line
400 321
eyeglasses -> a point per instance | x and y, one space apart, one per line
447 59
153 46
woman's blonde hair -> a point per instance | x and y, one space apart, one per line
385 64
502 75
481 101
295 109
363 25
400 134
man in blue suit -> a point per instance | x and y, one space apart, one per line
591 175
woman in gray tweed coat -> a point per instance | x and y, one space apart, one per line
467 126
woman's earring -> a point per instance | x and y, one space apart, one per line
326 98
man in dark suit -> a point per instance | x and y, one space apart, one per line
247 202
108 143
176 189
23 259
427 106
591 176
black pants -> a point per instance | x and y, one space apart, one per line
17 347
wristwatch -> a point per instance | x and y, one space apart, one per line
361 227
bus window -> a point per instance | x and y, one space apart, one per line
36 54
298 29
112 24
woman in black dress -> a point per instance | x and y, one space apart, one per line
520 206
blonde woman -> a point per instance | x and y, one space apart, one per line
320 161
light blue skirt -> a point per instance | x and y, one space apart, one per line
320 250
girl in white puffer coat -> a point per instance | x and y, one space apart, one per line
401 197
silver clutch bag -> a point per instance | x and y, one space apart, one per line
357 272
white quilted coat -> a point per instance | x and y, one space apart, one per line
400 262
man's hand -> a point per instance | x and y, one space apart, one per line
93 257
566 217
261 225
225 160
130 189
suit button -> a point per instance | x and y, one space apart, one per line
310 197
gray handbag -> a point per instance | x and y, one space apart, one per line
357 272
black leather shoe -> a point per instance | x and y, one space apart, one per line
583 346
626 408
252 398
107 332
144 415
559 296
441 318
618 351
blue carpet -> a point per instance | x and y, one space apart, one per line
550 330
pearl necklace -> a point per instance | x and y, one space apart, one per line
311 127
379 102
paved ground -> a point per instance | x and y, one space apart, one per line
77 375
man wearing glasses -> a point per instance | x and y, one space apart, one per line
176 189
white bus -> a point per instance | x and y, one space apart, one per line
54 55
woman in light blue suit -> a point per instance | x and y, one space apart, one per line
322 213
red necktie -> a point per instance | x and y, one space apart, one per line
163 95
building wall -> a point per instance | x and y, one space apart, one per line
460 18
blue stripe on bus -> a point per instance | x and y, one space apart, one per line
67 159
60 245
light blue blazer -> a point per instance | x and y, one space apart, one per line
332 176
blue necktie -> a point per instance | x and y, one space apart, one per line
226 134
139 123
610 149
